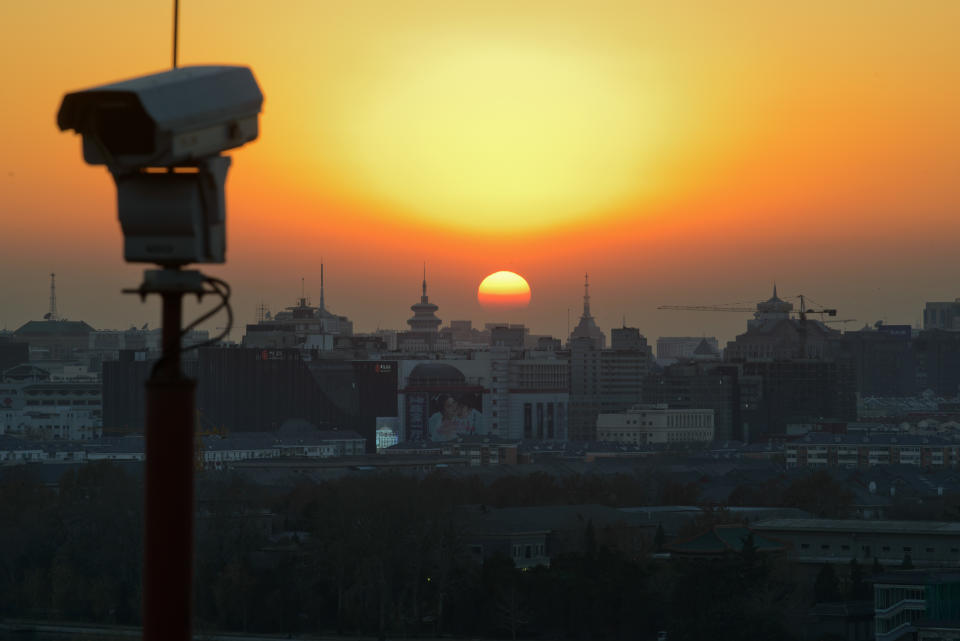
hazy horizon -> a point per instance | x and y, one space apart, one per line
682 154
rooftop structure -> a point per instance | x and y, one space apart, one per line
587 327
301 325
424 317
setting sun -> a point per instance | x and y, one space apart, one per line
504 290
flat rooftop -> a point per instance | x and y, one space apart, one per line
945 528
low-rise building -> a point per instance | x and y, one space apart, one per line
45 410
823 449
818 541
221 451
15 451
659 423
477 450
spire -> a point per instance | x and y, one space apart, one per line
774 289
586 295
424 313
321 284
424 282
52 314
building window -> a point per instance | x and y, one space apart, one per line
527 420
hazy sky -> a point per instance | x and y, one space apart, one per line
681 152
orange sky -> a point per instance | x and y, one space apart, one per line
680 152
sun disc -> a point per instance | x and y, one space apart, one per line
504 290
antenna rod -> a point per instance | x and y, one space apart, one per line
176 30
52 313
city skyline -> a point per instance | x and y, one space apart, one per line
713 324
699 155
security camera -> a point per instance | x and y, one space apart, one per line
165 118
160 136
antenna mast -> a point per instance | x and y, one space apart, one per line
52 313
176 30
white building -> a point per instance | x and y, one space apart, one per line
388 432
51 410
645 424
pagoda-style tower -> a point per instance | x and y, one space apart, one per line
424 317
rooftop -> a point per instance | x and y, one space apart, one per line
945 528
53 327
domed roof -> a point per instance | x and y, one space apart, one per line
774 304
704 349
436 372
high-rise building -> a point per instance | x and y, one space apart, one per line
882 359
605 380
777 394
587 327
254 390
938 361
700 384
942 315
772 335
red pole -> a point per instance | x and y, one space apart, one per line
168 535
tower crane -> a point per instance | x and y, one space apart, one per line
801 313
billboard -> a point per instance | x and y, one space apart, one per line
443 416
455 414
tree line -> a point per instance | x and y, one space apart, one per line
383 555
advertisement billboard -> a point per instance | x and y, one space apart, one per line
455 414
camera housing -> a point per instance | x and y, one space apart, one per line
160 136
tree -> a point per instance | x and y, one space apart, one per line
749 551
659 538
825 588
820 494
589 541
859 590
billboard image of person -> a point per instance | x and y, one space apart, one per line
453 415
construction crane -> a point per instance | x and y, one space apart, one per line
802 312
